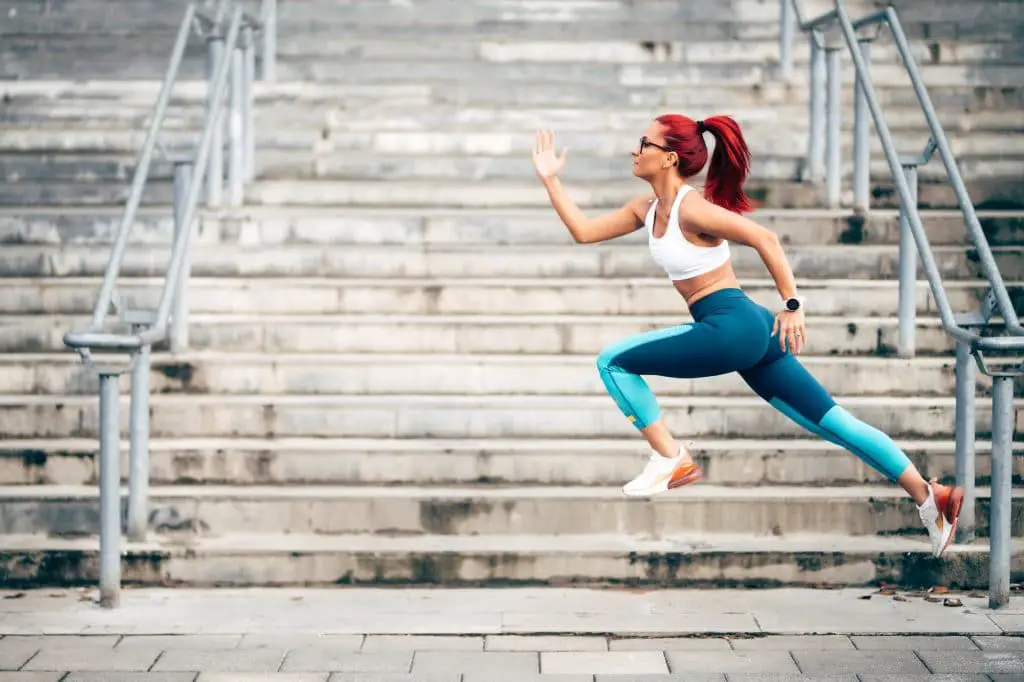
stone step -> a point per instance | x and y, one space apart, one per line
473 416
480 510
142 94
461 334
349 49
65 172
254 226
137 55
438 374
685 559
471 296
503 462
764 139
891 74
474 261
997 192
104 114
1000 192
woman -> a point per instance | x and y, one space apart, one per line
688 235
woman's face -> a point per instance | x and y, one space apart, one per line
651 156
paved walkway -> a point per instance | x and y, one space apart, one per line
513 635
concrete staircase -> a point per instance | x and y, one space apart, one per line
392 368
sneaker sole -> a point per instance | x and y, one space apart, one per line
692 477
956 501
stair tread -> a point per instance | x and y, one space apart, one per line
428 212
271 543
226 356
441 446
701 492
273 280
491 401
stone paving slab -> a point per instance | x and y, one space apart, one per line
731 661
1004 662
263 677
925 678
881 661
92 658
310 660
394 677
1000 643
107 676
222 660
605 662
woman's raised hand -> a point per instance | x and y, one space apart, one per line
546 163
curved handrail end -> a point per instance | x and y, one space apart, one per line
103 341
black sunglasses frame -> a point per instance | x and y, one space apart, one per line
645 143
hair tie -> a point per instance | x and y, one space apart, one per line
701 128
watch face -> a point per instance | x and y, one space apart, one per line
793 304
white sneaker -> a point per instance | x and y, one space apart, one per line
940 514
662 474
939 530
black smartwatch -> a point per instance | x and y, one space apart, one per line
793 304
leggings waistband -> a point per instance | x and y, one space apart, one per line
717 300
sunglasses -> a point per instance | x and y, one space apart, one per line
645 143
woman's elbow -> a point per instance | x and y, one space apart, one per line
769 242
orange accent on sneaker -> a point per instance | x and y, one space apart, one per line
684 475
949 501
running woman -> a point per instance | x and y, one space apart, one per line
688 234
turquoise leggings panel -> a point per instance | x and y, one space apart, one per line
732 333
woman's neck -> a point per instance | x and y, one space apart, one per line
666 188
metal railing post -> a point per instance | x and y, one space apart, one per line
965 435
236 139
786 26
833 172
816 143
861 146
248 96
179 315
906 346
138 472
110 489
215 169
269 40
1002 485
170 321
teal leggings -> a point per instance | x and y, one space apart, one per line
731 333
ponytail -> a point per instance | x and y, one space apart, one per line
730 162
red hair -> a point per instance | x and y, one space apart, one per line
730 162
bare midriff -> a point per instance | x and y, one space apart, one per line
696 288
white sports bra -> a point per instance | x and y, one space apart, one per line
680 258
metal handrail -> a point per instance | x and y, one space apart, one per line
230 53
94 337
970 343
